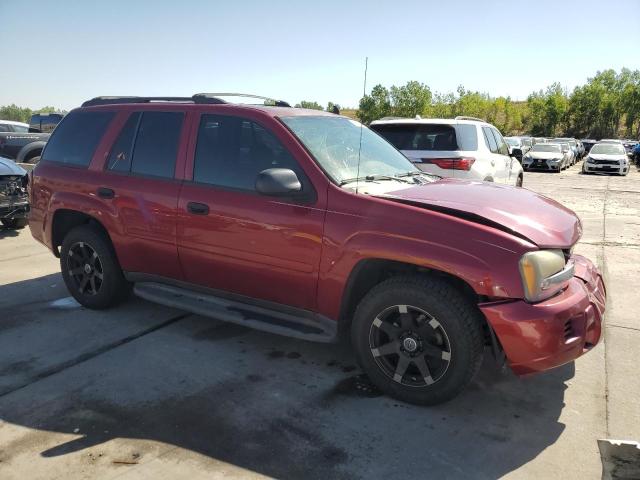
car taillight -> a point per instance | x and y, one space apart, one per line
456 163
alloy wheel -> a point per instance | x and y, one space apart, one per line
85 268
410 346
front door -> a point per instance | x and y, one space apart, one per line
232 238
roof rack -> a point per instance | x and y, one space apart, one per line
198 98
272 101
464 117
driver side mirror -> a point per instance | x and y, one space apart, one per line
278 182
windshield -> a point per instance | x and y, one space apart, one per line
335 142
20 129
607 149
542 147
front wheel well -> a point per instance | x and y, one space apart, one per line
370 272
66 220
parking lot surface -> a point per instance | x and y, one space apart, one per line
143 391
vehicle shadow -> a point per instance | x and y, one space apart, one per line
280 407
8 232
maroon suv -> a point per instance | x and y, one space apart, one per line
308 224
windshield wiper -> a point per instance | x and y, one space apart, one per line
415 173
373 178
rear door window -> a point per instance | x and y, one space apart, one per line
74 142
490 140
429 136
503 149
148 144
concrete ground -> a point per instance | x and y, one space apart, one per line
143 391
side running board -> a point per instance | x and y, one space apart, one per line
307 326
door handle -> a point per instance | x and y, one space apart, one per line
198 208
104 192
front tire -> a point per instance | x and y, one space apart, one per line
91 270
418 339
15 223
519 181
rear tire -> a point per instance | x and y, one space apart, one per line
519 181
90 269
418 339
15 223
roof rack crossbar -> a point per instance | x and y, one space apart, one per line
119 100
278 103
464 117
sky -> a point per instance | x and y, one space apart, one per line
64 52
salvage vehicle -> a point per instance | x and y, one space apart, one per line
547 156
19 144
607 158
14 203
308 224
465 147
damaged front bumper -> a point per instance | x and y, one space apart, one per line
547 334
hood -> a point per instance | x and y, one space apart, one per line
603 156
9 167
519 211
545 155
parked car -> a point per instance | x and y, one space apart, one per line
588 143
547 156
573 145
18 144
636 154
519 146
45 122
607 158
629 145
464 147
14 204
308 224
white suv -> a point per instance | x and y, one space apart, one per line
464 147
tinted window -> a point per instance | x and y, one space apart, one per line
121 152
20 129
4 128
429 136
231 151
75 141
503 149
489 139
156 144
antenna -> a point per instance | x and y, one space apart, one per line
364 93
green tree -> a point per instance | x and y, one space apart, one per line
15 113
311 105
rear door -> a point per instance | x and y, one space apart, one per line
139 181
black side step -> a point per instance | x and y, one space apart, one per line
309 326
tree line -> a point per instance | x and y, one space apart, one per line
22 114
608 105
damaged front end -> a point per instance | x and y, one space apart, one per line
14 201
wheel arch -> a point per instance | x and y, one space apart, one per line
369 272
64 220
30 150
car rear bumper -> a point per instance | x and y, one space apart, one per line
541 336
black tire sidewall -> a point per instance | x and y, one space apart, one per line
434 297
114 286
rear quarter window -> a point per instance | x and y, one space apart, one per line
75 140
429 136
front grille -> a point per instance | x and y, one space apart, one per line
606 162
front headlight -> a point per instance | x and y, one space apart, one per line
544 273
